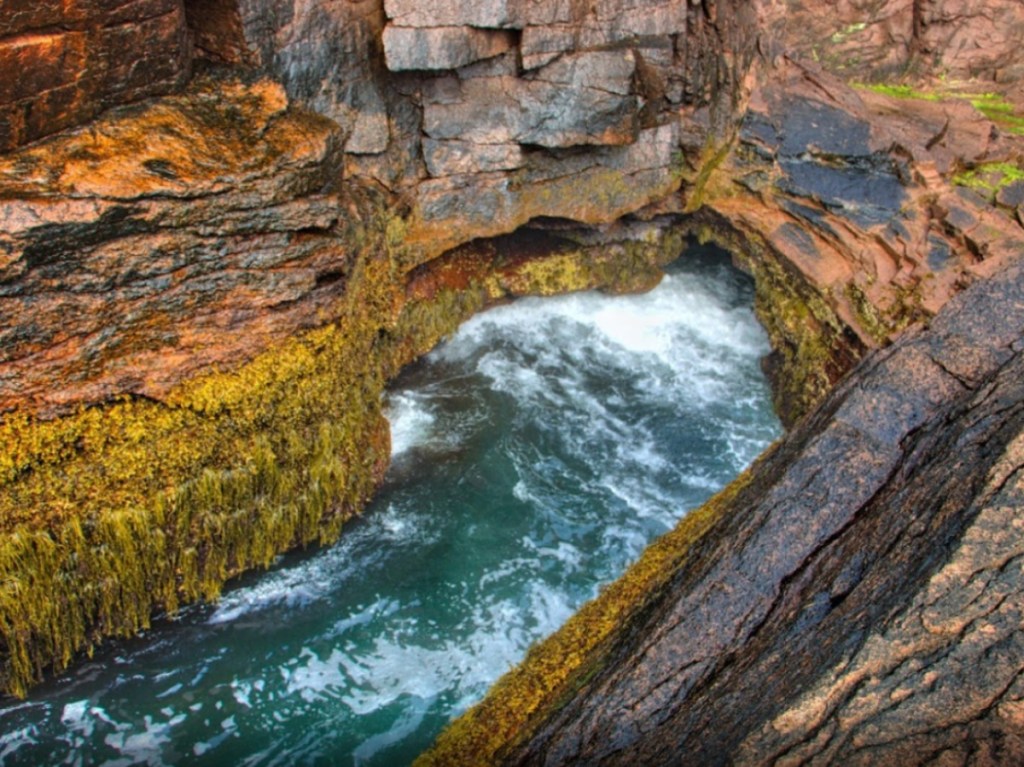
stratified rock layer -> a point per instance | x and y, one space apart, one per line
63 61
866 613
163 241
202 297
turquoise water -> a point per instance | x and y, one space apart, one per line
535 455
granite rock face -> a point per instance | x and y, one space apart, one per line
162 241
878 603
62 62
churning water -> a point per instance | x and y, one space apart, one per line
535 455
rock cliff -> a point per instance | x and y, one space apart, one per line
867 614
202 296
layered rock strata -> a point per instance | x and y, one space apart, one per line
196 332
878 602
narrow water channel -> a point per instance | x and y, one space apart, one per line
536 453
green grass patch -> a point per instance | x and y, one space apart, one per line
998 110
899 91
994 106
989 178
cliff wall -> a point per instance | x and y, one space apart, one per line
64 61
203 295
865 614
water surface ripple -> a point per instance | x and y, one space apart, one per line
535 455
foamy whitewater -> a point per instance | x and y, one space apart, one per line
535 455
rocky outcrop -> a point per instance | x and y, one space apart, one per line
62 62
200 317
128 272
481 115
893 38
863 197
207 206
866 613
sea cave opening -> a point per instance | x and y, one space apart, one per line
536 453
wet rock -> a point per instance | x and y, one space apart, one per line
857 192
162 241
858 597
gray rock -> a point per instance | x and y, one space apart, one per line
443 13
410 48
1011 195
324 55
449 158
580 99
542 42
505 65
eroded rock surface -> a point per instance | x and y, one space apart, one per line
64 61
889 38
865 613
161 241
488 108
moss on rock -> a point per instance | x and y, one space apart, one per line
134 507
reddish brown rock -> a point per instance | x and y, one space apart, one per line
894 38
61 63
162 241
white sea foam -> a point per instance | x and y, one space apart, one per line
305 583
411 420
588 489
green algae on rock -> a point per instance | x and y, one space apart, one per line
137 506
